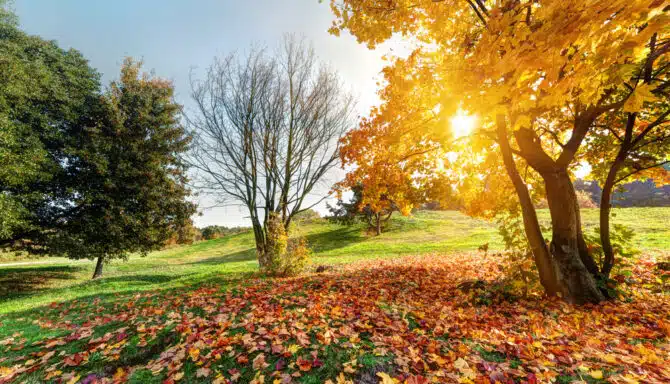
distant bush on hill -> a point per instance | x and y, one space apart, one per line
217 231
584 200
307 217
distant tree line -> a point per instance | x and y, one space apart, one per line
639 193
217 231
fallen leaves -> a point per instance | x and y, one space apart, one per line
395 321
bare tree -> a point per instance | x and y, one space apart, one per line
267 130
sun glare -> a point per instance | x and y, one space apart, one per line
463 124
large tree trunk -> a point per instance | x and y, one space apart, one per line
562 268
98 268
543 259
578 285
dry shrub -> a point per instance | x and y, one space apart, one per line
288 257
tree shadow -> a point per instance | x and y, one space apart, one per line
213 279
244 255
339 238
16 282
138 279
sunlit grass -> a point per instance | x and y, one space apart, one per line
25 287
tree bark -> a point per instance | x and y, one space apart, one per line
379 223
606 197
605 208
543 259
578 285
98 268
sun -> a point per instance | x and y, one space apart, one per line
462 124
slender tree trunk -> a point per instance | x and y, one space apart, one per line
608 188
543 259
378 223
578 285
261 244
98 268
605 208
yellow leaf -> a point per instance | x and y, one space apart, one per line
385 378
641 94
522 121
596 374
194 353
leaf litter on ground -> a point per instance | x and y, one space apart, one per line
405 320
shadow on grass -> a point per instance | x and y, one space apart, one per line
17 282
109 298
339 238
245 255
135 279
318 242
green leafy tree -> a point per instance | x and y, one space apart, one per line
131 193
46 94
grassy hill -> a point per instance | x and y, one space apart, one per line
197 313
232 257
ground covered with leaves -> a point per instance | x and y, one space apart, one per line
440 318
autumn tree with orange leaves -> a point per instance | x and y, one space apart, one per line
393 175
540 75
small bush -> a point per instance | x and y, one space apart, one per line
623 246
308 216
584 200
517 259
287 257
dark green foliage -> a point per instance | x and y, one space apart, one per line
349 213
130 193
46 94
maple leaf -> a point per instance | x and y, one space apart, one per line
304 364
194 353
416 380
203 372
259 362
596 374
385 378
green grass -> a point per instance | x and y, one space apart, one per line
232 258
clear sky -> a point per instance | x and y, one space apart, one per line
175 36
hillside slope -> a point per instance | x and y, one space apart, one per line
232 257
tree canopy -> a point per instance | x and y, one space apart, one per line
131 179
46 95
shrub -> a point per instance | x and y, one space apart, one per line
621 238
287 257
584 200
518 264
308 216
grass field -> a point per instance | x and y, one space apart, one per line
198 313
30 286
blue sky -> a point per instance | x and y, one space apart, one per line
174 37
